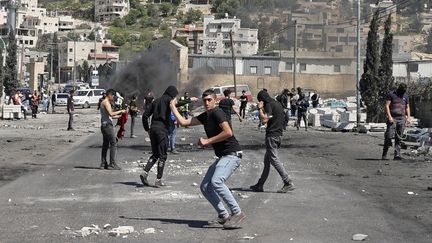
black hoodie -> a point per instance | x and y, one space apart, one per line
275 112
160 111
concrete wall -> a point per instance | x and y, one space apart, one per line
35 68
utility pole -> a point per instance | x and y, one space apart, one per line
233 63
58 64
295 54
22 64
358 65
74 71
51 63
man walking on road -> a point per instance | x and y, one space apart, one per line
243 104
133 110
272 113
53 101
228 151
158 132
227 105
398 114
107 129
70 109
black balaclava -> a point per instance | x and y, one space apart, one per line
400 91
171 91
264 96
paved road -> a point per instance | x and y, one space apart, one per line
70 192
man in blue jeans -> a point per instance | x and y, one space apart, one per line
227 149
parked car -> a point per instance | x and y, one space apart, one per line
240 87
78 86
61 99
87 97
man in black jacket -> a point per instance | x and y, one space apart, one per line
272 113
160 123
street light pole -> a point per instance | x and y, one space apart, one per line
358 65
74 71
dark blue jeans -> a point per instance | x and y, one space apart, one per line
394 130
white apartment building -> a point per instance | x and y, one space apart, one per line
108 10
216 40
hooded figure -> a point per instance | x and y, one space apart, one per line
160 112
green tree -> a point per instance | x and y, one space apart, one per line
429 42
166 9
386 79
131 17
10 80
118 23
346 9
220 7
55 55
192 16
1 72
369 80
118 39
85 68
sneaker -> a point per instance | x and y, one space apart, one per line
103 165
159 183
113 166
174 151
219 220
287 187
234 221
144 180
133 136
257 188
397 158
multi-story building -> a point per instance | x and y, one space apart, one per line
74 53
108 10
193 36
216 40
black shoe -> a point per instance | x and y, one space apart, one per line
397 158
287 187
219 220
234 222
103 165
257 188
144 180
113 166
71 129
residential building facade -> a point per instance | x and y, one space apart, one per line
216 40
193 36
108 10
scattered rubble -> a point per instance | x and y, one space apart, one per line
359 237
121 230
86 231
150 231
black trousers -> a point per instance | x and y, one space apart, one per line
300 115
133 117
242 111
159 144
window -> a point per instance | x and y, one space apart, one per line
31 42
267 70
253 69
70 50
289 66
339 30
238 44
302 66
26 42
413 67
332 38
337 68
70 60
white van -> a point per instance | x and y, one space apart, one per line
87 97
240 87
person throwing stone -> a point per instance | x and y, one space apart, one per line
272 113
220 136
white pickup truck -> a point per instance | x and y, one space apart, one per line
87 97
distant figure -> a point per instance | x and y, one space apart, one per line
107 129
35 104
302 107
315 99
53 101
172 134
70 109
294 97
133 111
284 99
184 108
272 113
398 114
243 104
101 99
148 100
227 105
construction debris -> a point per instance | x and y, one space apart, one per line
359 237
149 231
121 230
